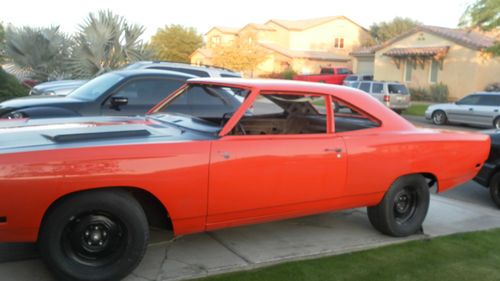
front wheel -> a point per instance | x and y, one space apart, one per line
403 208
95 235
439 117
495 189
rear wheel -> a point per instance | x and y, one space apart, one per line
403 208
439 117
496 123
95 235
495 189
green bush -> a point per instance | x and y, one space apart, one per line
419 94
439 92
286 74
434 93
10 87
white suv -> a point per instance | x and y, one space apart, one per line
393 94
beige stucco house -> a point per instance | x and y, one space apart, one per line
428 54
303 45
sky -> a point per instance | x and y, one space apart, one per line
204 14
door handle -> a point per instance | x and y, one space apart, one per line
337 150
224 154
471 109
496 110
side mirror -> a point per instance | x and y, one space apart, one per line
116 102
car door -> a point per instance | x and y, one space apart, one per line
463 110
264 175
487 109
141 94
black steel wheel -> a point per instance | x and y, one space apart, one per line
95 235
495 189
403 208
439 117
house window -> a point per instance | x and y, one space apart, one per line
408 69
434 71
215 40
339 43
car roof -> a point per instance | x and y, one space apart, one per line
206 68
149 72
485 93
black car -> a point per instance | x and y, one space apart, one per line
125 92
489 175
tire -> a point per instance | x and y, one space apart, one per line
495 189
96 235
496 123
403 208
439 117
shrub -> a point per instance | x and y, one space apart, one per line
493 87
435 93
419 94
439 92
10 87
286 74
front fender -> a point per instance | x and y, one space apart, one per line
46 112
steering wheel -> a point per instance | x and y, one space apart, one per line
225 117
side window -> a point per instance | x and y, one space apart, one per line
327 71
489 100
377 88
285 114
148 91
202 96
469 100
365 86
347 118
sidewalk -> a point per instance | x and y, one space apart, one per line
249 247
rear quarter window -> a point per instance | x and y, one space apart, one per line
397 89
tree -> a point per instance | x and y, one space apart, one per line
10 87
484 15
42 51
384 31
106 42
2 43
243 54
175 43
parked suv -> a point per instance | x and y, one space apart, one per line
351 80
196 70
393 94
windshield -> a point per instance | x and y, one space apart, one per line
96 87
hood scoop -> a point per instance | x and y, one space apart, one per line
95 136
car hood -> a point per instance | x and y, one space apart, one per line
22 135
38 101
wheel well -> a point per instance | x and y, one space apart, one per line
155 211
431 179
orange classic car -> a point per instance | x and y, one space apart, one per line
87 189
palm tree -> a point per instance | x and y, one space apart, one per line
44 52
105 42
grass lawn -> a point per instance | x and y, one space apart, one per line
416 109
471 256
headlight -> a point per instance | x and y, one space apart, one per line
16 115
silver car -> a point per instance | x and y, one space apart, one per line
352 79
393 94
480 109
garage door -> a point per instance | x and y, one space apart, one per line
365 66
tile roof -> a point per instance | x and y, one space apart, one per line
308 23
363 51
420 51
259 27
225 29
461 36
316 55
